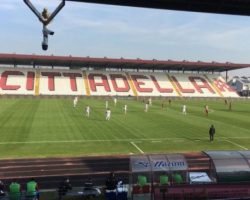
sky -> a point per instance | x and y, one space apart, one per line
94 30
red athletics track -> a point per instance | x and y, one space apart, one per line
50 171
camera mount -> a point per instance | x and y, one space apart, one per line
45 18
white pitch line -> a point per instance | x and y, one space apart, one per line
236 144
115 140
82 141
136 147
234 137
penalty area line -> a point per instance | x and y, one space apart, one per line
237 144
136 147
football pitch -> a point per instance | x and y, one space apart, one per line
53 127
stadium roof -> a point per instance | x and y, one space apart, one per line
235 7
101 63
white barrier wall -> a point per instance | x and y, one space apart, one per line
101 83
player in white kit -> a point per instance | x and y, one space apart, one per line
150 101
115 101
125 109
184 109
146 107
108 114
75 102
87 110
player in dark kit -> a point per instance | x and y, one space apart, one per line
230 105
169 102
211 133
206 110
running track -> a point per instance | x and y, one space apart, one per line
48 172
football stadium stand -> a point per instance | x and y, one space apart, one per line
18 81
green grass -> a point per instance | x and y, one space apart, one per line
52 127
